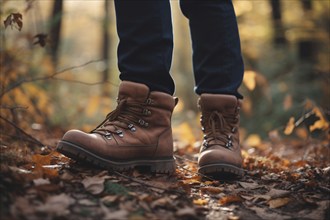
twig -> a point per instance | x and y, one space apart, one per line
13 107
23 132
53 76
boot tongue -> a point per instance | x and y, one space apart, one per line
215 102
133 91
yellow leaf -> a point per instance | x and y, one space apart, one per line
253 140
321 124
93 105
290 126
250 79
200 201
185 132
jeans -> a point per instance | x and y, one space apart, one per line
146 44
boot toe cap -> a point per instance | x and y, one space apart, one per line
220 155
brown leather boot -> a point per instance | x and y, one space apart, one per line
137 133
220 153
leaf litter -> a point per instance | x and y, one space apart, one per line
278 184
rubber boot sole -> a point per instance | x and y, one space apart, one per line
221 171
166 166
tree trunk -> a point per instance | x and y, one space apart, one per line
55 30
105 47
307 5
279 37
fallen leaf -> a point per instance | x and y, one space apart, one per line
211 190
249 79
14 20
186 212
22 207
321 123
86 202
114 215
56 205
94 184
200 201
40 181
162 202
253 185
229 199
253 140
277 193
109 199
290 126
279 202
41 39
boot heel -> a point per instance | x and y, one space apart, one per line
167 166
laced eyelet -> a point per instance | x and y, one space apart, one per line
131 127
120 133
146 112
107 135
233 129
143 123
149 101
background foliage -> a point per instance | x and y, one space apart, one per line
58 65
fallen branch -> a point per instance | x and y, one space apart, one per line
22 131
53 76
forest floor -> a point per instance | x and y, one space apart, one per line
284 179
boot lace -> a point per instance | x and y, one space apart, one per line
124 117
218 128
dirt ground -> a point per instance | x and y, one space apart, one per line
286 179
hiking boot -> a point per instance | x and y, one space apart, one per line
137 133
220 153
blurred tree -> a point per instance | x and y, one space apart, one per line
279 37
55 30
307 5
106 41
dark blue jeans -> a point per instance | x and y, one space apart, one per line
146 44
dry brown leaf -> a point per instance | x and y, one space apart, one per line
229 199
22 207
186 212
161 202
94 184
279 202
56 205
246 185
115 215
211 190
110 199
14 20
277 193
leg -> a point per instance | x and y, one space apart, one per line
138 132
146 43
217 60
218 70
